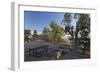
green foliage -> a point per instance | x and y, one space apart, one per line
27 34
83 21
47 34
68 27
35 32
56 28
83 26
35 35
57 31
54 33
67 18
67 22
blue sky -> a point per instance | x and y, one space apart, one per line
35 20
